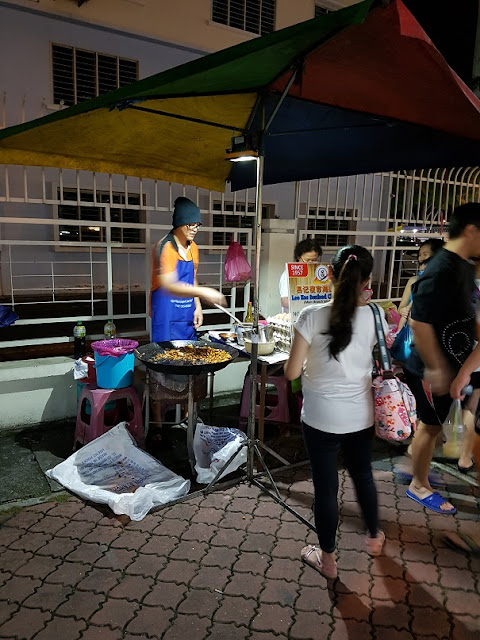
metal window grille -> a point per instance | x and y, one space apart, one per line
79 75
82 206
255 16
320 11
239 215
330 239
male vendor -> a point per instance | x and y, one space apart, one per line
175 296
175 299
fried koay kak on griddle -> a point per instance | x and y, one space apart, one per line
192 355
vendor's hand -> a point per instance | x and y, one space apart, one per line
197 318
457 385
439 380
404 312
212 296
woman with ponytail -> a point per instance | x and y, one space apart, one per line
332 350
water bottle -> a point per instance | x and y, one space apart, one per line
109 330
79 333
453 431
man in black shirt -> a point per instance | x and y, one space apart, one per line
443 324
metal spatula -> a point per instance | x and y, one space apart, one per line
228 313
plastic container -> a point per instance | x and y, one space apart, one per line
453 431
110 330
91 377
264 348
115 367
114 373
79 334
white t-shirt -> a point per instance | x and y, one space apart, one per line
337 394
283 288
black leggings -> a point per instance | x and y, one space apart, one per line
322 449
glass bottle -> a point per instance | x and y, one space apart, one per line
110 330
249 314
79 334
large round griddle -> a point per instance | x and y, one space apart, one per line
146 353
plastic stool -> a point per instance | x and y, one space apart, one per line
278 412
127 408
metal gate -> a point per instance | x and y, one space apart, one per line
78 245
388 213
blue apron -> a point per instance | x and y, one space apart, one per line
172 318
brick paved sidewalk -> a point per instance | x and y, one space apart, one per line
226 566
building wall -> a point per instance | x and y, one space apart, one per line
185 22
27 84
25 43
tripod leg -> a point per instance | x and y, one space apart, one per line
267 470
192 422
272 453
231 459
286 506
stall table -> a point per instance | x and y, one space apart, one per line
269 365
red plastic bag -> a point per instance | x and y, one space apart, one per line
236 267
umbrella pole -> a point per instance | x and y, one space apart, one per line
254 355
253 446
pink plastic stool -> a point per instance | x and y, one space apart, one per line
278 412
99 421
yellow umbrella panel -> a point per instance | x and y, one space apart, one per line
141 143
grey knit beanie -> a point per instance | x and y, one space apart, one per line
185 212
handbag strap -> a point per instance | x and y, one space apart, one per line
382 344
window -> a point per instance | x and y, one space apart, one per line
256 16
95 214
79 75
238 219
329 239
245 221
320 11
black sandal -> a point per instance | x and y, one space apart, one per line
465 469
469 546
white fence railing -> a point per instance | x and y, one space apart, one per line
51 282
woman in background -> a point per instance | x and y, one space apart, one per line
426 251
332 349
308 250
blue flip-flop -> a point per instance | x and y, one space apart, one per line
435 479
433 502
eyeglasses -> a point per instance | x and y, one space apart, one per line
194 227
309 260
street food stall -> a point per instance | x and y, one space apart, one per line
267 95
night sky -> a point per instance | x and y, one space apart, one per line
452 28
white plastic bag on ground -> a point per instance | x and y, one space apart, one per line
112 470
213 447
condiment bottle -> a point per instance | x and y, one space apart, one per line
110 330
249 314
79 334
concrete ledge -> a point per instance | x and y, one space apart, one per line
43 390
25 369
35 391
